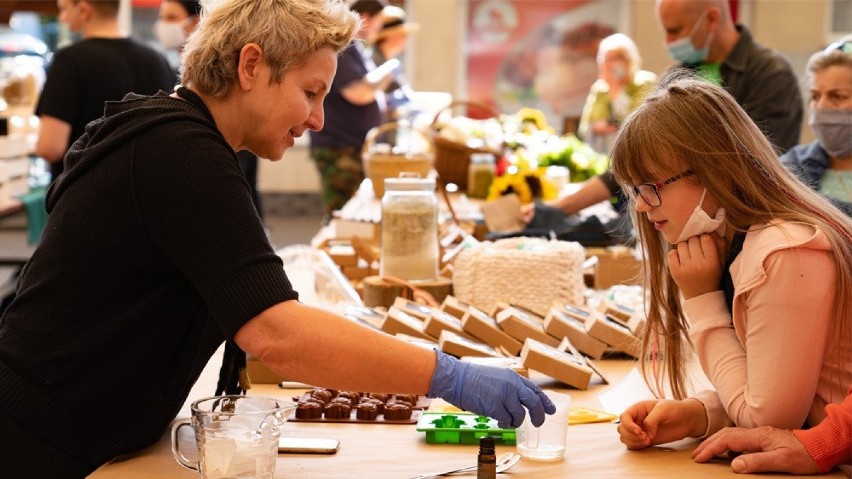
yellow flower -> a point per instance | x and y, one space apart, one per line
528 184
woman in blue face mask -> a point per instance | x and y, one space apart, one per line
746 268
826 163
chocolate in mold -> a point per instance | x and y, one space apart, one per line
411 399
367 411
353 397
337 410
397 410
308 409
322 395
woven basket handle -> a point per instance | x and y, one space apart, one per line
481 106
386 127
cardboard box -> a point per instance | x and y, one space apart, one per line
340 251
398 321
557 364
458 346
486 329
440 321
634 320
258 373
616 265
364 315
521 324
513 363
346 228
614 334
560 324
413 308
426 344
453 306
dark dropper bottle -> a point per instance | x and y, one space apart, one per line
487 461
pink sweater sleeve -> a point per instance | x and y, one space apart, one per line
830 442
766 371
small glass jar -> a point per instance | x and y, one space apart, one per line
480 174
409 248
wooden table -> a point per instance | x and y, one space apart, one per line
399 451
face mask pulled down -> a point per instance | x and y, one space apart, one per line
700 222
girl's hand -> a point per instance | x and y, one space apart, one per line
648 423
696 264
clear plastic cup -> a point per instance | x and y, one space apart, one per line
546 443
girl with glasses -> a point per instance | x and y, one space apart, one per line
744 265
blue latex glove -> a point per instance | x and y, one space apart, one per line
498 393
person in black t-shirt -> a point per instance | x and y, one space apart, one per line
152 257
104 66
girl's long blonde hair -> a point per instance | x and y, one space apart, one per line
688 123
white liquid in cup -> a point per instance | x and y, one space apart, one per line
546 443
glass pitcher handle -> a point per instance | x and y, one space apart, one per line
179 457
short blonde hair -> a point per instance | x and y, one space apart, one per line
287 31
621 43
832 56
692 124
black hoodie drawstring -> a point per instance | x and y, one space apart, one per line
233 378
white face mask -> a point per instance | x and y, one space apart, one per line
171 35
700 222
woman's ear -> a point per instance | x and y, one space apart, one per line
248 65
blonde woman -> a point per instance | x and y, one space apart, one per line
743 262
153 256
620 88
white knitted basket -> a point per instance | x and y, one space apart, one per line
528 272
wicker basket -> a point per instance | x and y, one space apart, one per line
529 272
380 165
452 158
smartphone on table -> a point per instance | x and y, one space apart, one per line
308 445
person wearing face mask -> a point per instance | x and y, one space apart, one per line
826 163
747 268
152 258
104 66
176 21
621 87
701 35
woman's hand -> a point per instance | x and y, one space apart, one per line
772 450
696 264
528 212
647 423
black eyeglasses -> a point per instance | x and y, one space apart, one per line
650 192
840 46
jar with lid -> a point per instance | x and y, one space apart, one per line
480 174
409 248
